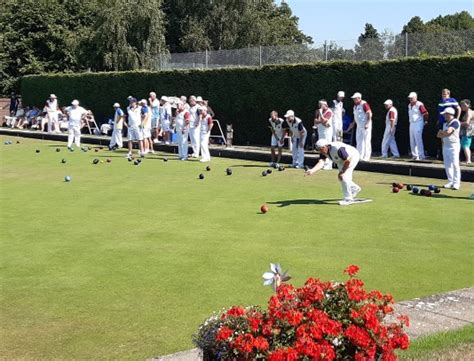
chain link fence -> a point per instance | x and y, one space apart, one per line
388 47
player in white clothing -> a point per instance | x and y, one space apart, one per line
363 120
75 114
116 139
388 141
146 127
323 122
194 127
165 118
134 123
418 117
278 129
298 135
206 126
155 116
451 148
52 113
338 113
182 128
346 158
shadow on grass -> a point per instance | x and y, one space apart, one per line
249 166
440 195
296 202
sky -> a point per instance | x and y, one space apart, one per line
344 20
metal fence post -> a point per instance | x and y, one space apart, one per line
326 50
260 55
406 44
206 59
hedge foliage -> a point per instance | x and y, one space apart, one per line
245 96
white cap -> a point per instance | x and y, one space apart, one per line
152 94
323 102
116 105
321 143
52 96
75 102
143 101
199 99
357 95
388 102
412 95
341 94
449 111
165 98
289 113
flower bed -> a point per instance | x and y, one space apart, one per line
318 321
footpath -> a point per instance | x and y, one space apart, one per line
429 315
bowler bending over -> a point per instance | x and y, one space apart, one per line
346 158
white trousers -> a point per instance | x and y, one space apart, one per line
416 139
337 130
182 144
348 186
52 119
116 139
205 155
451 163
74 135
326 134
195 137
297 151
389 143
364 141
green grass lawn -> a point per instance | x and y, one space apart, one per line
125 261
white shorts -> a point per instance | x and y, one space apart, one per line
275 142
134 134
165 125
155 123
146 132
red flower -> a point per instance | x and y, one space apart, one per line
260 343
236 311
254 323
224 333
244 343
284 354
358 336
355 291
404 320
351 270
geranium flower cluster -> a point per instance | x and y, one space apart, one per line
318 321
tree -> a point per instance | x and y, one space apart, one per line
127 34
36 39
370 46
229 24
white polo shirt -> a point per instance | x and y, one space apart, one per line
75 115
134 116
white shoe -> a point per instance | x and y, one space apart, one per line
204 160
356 192
142 155
271 164
455 187
276 165
129 155
155 141
167 143
448 185
346 202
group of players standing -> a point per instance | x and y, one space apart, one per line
147 119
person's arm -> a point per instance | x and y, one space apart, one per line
327 117
368 112
458 112
318 118
445 133
187 119
210 122
425 113
316 168
392 122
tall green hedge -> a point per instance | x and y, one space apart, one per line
245 96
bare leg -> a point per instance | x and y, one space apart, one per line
279 154
273 154
467 154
